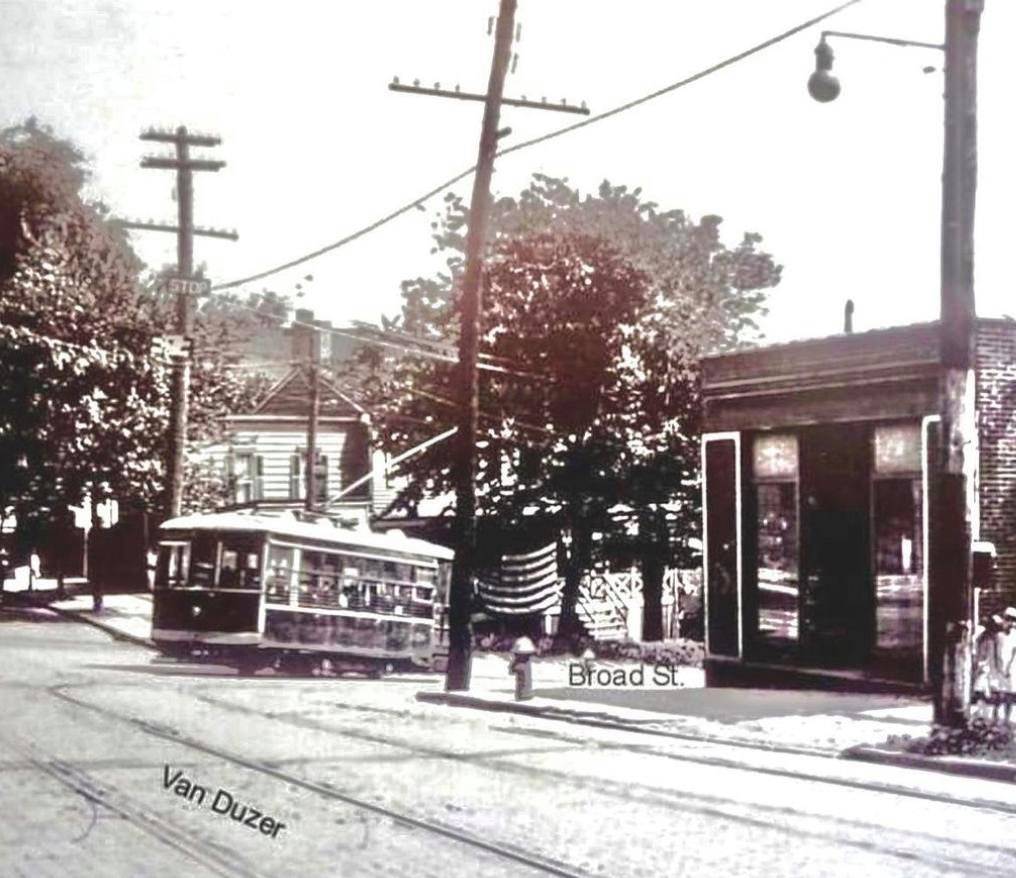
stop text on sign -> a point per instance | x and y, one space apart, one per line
189 286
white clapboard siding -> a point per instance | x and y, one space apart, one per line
276 444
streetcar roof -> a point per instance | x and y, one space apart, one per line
284 526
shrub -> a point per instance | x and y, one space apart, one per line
673 653
981 738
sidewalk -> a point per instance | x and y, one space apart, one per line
786 720
834 724
125 616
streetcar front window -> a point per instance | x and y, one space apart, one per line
204 548
171 568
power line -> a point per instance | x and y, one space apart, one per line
435 344
486 365
418 202
424 394
16 332
733 59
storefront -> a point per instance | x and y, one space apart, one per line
816 461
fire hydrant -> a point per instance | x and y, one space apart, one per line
522 667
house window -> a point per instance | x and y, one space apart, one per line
247 476
775 469
298 477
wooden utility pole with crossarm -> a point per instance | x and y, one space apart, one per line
470 309
186 285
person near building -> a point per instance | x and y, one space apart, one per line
1009 661
989 671
34 569
5 566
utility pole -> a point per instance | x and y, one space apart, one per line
471 307
185 285
953 487
314 380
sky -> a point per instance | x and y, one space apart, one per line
846 195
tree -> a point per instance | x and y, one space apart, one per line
82 394
85 410
221 381
598 308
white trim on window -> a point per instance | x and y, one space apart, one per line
735 436
926 423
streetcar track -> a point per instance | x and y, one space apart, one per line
504 851
218 860
665 797
716 761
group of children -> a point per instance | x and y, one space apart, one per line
995 665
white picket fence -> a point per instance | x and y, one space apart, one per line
610 603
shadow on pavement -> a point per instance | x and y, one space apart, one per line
161 667
733 705
29 613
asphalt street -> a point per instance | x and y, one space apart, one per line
116 761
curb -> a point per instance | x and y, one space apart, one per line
608 721
978 768
115 633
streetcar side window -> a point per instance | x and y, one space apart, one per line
240 563
319 579
279 575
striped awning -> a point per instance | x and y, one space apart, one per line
522 584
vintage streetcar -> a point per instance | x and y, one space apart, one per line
259 590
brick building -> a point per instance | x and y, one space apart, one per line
996 414
816 463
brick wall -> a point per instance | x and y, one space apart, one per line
996 410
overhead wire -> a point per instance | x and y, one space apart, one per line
484 364
418 202
441 400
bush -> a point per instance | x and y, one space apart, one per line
672 653
982 738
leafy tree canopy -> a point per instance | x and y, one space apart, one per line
599 308
85 399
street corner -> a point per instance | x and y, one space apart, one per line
982 769
124 617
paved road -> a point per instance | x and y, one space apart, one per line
113 760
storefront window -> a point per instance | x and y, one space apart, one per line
775 469
898 543
777 561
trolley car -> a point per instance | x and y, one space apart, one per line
259 590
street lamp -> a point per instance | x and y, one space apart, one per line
822 85
825 87
950 509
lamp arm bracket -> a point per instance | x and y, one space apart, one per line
892 41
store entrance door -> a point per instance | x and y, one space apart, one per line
837 619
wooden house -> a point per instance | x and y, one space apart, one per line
264 456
